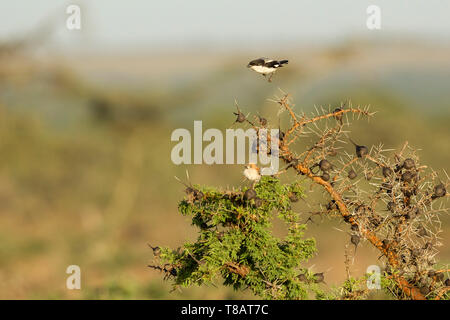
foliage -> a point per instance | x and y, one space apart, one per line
236 243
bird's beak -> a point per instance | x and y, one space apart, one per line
248 66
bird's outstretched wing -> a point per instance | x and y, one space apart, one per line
275 63
272 64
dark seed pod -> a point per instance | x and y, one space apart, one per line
240 117
408 164
431 273
352 174
439 191
391 206
258 202
302 278
354 227
293 197
407 176
249 194
325 176
318 277
262 121
324 165
387 172
447 283
355 239
439 276
386 242
361 151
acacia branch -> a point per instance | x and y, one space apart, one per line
288 157
408 289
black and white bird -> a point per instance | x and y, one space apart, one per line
266 66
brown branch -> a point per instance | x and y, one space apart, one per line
407 288
369 157
237 268
387 249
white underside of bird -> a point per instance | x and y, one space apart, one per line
262 69
252 173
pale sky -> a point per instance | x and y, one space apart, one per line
120 24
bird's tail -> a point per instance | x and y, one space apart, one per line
284 62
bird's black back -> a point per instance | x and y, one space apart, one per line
257 62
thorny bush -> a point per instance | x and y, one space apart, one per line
386 197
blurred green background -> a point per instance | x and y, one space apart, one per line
85 170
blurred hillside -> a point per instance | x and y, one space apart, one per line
85 172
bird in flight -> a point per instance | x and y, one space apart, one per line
266 66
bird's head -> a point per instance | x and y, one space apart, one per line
254 63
